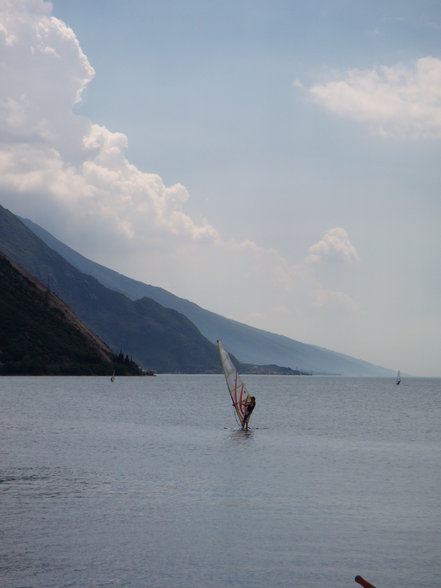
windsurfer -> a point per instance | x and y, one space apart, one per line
248 410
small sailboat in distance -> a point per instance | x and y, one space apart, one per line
237 389
398 378
112 377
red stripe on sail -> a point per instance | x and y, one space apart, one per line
237 404
241 402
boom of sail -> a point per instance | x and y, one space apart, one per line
238 391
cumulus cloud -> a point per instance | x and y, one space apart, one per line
333 246
44 73
327 262
70 165
399 101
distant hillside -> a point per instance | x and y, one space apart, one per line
250 345
157 338
39 334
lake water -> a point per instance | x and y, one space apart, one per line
149 482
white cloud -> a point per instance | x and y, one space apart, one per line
400 101
44 72
76 168
6 38
327 262
333 246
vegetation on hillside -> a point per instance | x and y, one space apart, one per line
39 334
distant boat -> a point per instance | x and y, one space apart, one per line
398 379
237 389
112 377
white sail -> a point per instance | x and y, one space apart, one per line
238 391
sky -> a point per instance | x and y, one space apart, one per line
274 161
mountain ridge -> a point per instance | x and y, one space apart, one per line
250 344
158 339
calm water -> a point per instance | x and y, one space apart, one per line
148 482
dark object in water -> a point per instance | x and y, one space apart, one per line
363 582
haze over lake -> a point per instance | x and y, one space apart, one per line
149 482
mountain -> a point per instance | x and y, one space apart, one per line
157 338
249 344
40 334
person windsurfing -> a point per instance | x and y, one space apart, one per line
249 407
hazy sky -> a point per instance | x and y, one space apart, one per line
277 162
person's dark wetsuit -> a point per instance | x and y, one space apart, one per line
249 409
